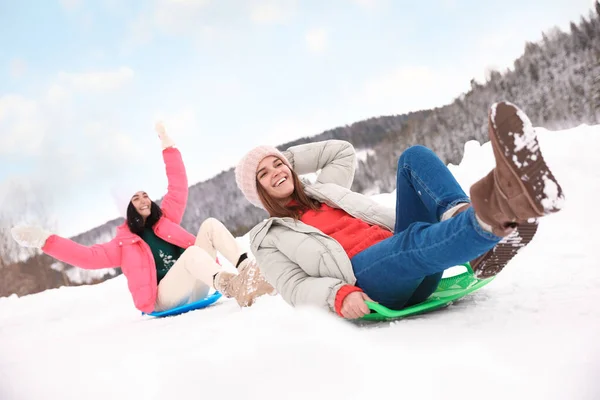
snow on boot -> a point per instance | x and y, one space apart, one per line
494 260
235 286
245 286
262 286
521 186
223 283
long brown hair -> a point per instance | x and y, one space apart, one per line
275 209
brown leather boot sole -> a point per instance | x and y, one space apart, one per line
515 145
492 262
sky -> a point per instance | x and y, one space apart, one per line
82 83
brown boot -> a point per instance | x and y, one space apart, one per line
494 260
245 286
521 186
236 286
250 268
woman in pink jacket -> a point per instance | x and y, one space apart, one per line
165 265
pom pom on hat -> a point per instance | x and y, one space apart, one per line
245 172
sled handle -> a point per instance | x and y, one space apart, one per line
376 307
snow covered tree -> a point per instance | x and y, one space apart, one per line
579 38
596 90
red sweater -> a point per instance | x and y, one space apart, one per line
352 233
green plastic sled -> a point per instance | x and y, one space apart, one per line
449 290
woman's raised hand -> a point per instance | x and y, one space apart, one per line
165 140
30 236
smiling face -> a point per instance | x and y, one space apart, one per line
276 178
142 203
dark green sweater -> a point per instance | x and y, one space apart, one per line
165 254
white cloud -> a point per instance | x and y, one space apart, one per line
496 40
171 17
272 11
408 89
97 81
178 16
110 144
140 30
21 131
404 79
495 51
290 127
204 19
18 67
179 124
57 95
316 40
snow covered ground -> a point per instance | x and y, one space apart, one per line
532 333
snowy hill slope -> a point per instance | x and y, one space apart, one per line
532 333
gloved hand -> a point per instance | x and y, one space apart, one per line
30 236
165 140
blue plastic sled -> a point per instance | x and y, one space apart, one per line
202 303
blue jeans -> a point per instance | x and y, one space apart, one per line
406 268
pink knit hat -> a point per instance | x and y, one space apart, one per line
245 172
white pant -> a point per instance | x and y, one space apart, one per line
191 277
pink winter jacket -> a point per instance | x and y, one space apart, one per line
127 250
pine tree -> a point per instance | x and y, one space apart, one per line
534 72
596 89
578 38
